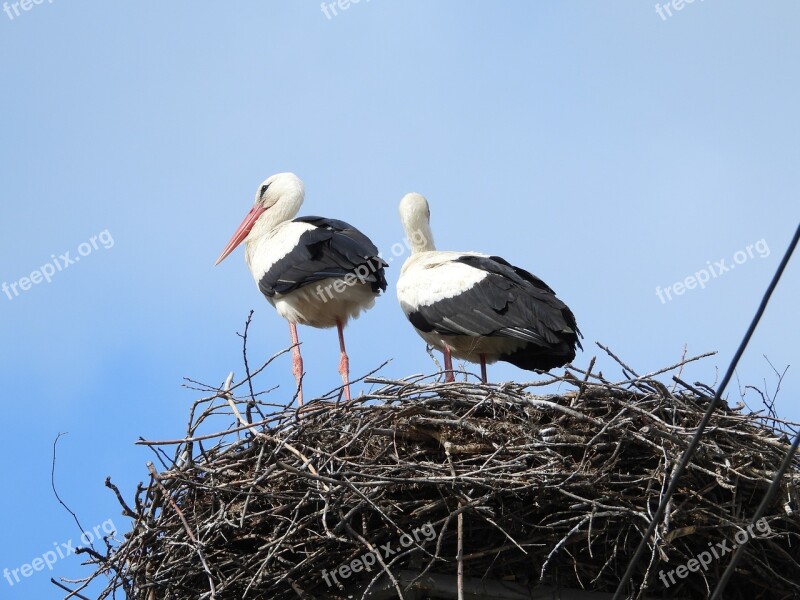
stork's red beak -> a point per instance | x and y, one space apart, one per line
242 231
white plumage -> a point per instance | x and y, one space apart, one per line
434 276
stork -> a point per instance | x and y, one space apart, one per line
314 271
477 307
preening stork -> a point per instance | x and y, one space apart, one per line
477 307
314 271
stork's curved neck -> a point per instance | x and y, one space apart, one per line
418 232
420 238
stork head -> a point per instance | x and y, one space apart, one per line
278 199
415 215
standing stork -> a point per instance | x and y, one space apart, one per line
477 307
314 271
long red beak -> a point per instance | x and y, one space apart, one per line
242 231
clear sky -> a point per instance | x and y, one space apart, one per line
609 150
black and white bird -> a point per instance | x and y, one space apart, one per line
314 271
479 308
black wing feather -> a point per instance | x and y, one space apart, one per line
332 249
509 302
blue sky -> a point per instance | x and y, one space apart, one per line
604 148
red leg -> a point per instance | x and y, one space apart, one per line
483 368
297 362
344 361
448 365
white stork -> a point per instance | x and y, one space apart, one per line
314 271
477 307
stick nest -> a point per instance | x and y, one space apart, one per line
551 490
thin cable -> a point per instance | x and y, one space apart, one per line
762 508
689 452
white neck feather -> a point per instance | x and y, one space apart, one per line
284 209
415 215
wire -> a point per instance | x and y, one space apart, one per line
689 452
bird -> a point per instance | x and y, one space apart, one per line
477 307
315 271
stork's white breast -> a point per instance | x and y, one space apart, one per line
266 250
429 277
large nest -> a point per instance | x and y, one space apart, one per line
546 491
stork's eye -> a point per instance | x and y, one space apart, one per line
263 190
